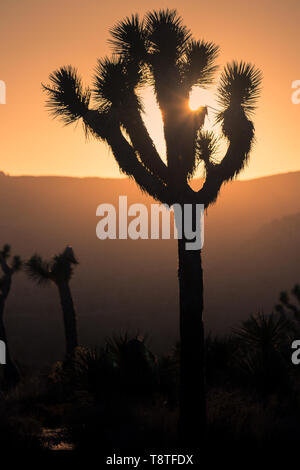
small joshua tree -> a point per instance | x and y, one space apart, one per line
159 50
290 309
11 373
60 271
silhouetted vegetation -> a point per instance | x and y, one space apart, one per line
11 373
122 396
290 310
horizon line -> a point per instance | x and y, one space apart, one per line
3 174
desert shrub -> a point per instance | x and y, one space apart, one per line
124 366
18 432
168 379
123 426
219 360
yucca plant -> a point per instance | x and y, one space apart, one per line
11 373
262 355
58 270
136 365
89 369
159 50
265 332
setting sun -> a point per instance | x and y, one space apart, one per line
200 97
196 99
153 119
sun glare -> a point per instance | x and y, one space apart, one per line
200 97
153 119
196 99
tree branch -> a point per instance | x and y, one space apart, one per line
125 156
235 159
143 144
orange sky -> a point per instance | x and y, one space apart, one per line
37 36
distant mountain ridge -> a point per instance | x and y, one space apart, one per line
250 254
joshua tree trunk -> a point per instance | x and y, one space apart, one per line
69 315
192 419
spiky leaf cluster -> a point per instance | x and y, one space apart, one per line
159 49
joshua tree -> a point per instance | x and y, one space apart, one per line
286 304
160 51
59 270
289 310
11 373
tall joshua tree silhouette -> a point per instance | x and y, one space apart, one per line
159 50
60 271
11 373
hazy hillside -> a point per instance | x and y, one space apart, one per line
250 254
